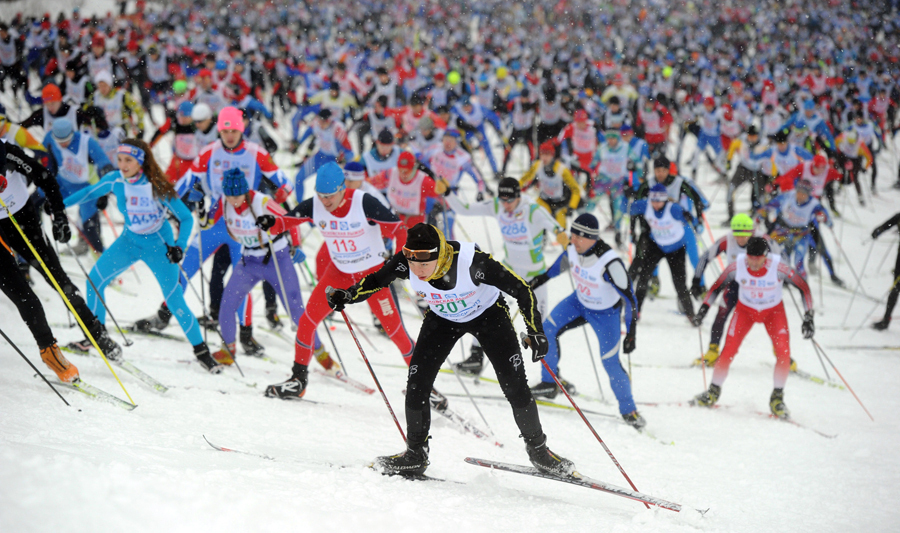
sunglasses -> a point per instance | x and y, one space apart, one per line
419 255
508 200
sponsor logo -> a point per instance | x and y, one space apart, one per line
355 224
322 224
420 294
344 226
334 225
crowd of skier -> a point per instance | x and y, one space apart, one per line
175 114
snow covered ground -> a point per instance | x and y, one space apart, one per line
95 467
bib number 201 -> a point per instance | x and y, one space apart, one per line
451 307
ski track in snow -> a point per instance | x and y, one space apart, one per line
95 467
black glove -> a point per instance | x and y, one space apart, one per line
61 231
102 202
47 208
479 197
808 328
264 222
876 232
538 280
630 165
539 346
628 343
696 289
338 298
174 253
700 315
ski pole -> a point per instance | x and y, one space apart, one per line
56 244
202 276
605 447
330 290
702 361
850 265
337 352
116 235
277 270
587 342
838 372
65 298
16 348
100 297
862 273
466 389
712 239
797 307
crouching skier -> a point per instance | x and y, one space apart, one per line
462 287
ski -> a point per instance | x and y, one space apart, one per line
340 376
152 333
466 425
816 379
580 480
410 476
93 392
224 449
864 347
142 376
791 421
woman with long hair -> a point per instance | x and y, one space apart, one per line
144 196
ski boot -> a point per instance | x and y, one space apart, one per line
708 398
653 286
225 356
548 462
776 404
53 358
475 362
438 401
273 318
837 281
209 322
110 348
377 324
292 389
201 352
330 365
793 365
249 344
158 322
411 462
549 390
882 324
635 420
709 358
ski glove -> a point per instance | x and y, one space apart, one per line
701 314
538 344
628 343
102 202
538 280
808 328
338 298
297 256
61 231
174 253
875 233
265 222
696 289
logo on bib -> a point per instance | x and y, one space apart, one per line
344 226
334 225
322 224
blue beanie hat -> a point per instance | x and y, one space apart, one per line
587 226
330 179
658 193
185 108
234 182
63 129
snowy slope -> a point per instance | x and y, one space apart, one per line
94 467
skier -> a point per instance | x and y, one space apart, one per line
524 225
893 222
759 278
449 162
267 240
663 229
579 141
733 244
601 286
755 167
145 197
15 169
409 186
559 192
353 225
471 117
612 162
462 287
334 146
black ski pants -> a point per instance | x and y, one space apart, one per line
651 256
15 287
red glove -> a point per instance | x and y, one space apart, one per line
283 224
2 183
282 194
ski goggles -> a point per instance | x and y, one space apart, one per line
133 151
658 196
421 256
